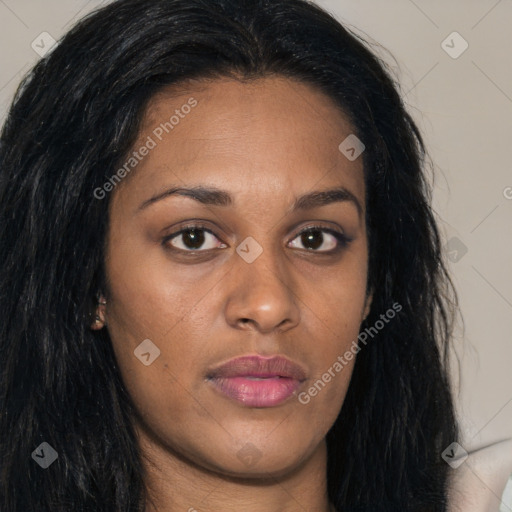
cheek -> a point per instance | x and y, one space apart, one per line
150 313
337 300
158 394
335 316
333 361
146 304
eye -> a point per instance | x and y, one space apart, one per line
197 238
314 237
193 238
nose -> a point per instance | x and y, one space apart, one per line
262 295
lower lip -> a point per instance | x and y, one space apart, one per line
257 393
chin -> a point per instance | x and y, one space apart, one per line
274 460
277 468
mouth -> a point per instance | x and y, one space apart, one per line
255 381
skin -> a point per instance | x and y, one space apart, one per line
265 142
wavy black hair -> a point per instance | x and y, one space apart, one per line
74 118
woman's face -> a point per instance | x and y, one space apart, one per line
246 282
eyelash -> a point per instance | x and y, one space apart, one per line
342 240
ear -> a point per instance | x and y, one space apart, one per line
367 304
99 320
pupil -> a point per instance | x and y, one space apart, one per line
313 237
195 236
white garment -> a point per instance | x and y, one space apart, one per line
480 483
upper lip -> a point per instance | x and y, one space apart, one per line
258 366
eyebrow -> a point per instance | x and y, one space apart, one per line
216 197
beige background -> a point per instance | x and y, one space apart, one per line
464 107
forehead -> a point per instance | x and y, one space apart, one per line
269 136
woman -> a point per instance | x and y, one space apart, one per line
221 278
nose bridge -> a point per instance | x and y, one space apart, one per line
264 286
266 265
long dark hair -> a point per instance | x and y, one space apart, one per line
73 120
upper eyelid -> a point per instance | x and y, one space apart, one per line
176 234
189 227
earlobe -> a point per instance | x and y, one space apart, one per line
100 314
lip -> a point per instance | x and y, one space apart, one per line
257 381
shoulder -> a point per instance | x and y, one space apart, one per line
483 480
